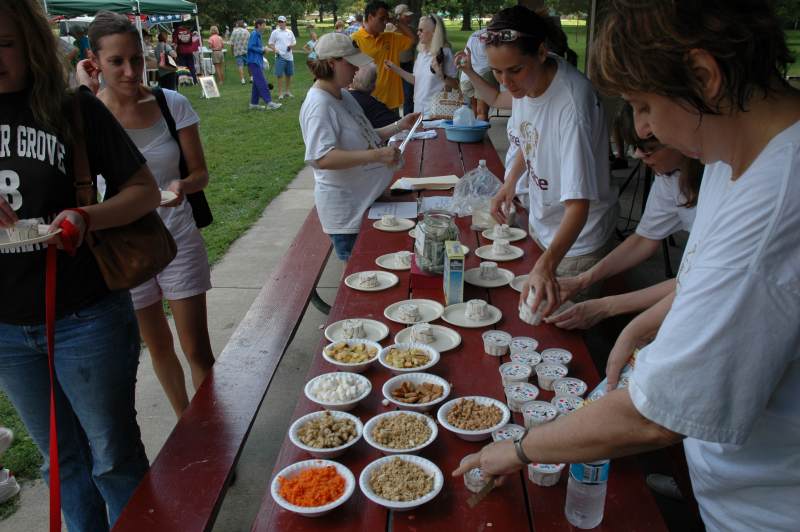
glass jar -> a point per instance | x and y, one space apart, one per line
432 232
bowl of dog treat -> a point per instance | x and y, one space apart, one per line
473 418
420 392
326 434
408 357
354 355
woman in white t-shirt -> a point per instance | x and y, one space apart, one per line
434 69
670 208
563 147
185 281
351 168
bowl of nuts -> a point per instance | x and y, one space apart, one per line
473 418
339 390
416 391
326 434
352 355
408 357
400 432
401 482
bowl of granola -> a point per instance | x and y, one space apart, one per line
408 357
473 418
400 432
416 391
401 482
354 355
326 434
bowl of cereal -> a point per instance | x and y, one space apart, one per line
473 418
401 482
416 391
339 390
408 357
326 434
352 355
312 488
400 432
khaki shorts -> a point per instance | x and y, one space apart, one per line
217 57
468 90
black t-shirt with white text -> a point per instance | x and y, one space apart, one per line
36 180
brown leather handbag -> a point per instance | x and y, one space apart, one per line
127 255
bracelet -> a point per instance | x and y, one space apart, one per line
520 452
87 220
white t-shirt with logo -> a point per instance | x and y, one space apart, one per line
428 85
663 213
478 57
513 147
724 369
341 196
564 140
282 40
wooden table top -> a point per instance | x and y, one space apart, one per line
518 504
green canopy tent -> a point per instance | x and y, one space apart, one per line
70 8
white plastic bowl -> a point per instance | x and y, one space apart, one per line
432 353
370 425
417 379
473 435
331 452
314 511
354 367
399 506
344 406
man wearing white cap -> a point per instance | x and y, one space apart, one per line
351 165
281 41
355 24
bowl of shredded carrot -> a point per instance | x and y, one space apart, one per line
313 487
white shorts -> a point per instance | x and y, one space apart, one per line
187 275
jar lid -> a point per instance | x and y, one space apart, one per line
566 404
557 355
514 370
509 432
522 392
529 358
569 386
539 410
549 369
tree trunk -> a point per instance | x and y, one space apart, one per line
293 19
320 13
335 16
466 16
533 5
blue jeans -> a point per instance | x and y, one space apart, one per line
101 455
343 245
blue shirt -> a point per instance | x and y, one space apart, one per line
255 49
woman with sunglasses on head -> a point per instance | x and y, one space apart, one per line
670 207
96 351
351 166
434 69
563 146
723 372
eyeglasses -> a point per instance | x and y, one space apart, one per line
497 37
647 147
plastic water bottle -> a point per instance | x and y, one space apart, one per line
586 493
464 116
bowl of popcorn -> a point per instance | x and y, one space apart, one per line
312 488
401 482
408 357
354 355
340 390
416 391
326 434
473 418
400 432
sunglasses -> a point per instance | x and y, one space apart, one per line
501 36
648 146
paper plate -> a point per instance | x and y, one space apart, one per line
44 236
403 224
456 315
473 276
373 329
517 282
385 280
398 506
485 252
429 310
390 262
167 196
315 511
516 234
445 338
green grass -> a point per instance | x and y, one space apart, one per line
793 40
22 458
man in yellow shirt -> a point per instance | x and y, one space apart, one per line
380 46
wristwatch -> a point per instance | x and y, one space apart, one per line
518 448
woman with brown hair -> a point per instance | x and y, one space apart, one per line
101 456
723 372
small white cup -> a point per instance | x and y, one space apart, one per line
408 312
423 333
388 220
353 329
368 279
476 310
501 247
488 270
501 231
403 258
547 373
545 474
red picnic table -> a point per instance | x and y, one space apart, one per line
518 504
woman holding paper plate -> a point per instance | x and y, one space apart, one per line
351 167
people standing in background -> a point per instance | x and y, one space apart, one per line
480 64
281 40
182 39
361 89
255 63
355 24
216 44
196 44
167 77
380 46
309 48
401 12
82 43
338 27
239 40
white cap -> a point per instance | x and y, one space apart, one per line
351 19
335 45
281 19
401 10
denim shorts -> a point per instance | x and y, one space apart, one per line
283 67
241 60
343 245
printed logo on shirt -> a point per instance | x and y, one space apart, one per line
529 141
32 143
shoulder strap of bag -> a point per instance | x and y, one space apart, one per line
85 193
173 130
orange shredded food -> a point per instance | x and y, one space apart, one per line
316 486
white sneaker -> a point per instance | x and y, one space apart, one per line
244 82
282 96
6 437
664 485
271 106
8 486
256 107
289 95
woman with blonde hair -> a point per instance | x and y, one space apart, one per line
100 453
434 69
217 55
